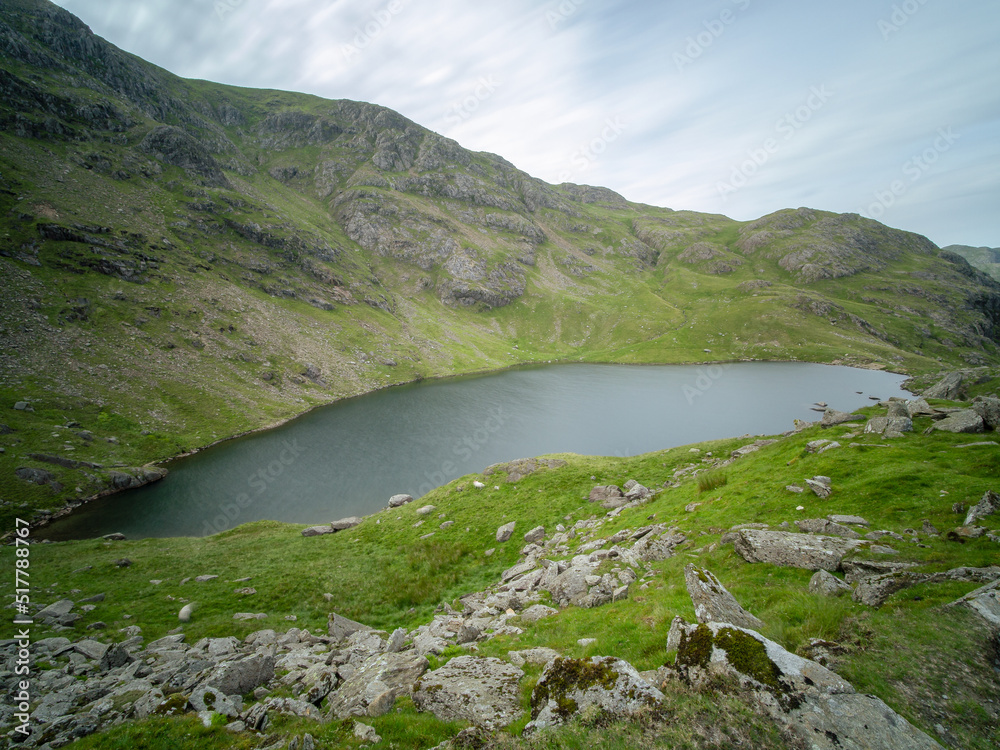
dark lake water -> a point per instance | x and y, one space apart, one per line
349 458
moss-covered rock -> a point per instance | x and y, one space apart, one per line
602 685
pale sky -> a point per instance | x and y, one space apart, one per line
741 107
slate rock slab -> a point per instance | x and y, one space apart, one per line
713 602
989 505
373 688
789 550
800 694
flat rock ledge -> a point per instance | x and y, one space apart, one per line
786 549
481 691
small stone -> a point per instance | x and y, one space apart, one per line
366 733
426 510
346 523
848 520
535 535
825 583
504 532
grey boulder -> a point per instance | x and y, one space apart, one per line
988 407
505 531
989 505
785 549
483 692
825 526
340 628
373 688
712 602
965 421
826 583
318 530
242 675
346 523
832 417
601 493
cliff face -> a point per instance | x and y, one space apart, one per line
400 192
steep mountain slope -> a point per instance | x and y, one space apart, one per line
183 261
986 259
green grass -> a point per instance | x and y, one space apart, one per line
712 481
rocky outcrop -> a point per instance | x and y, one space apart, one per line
984 601
832 418
951 387
964 421
173 146
520 468
874 591
816 704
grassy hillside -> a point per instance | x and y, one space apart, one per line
986 259
910 652
182 261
